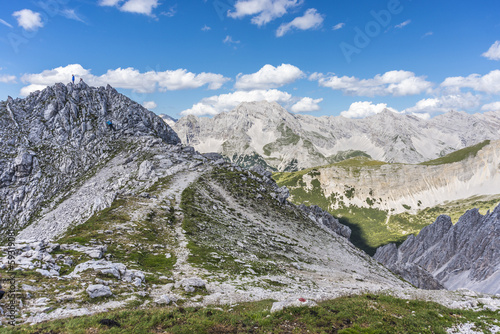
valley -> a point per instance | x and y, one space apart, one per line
385 203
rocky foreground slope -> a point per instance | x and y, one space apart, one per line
156 223
464 255
263 132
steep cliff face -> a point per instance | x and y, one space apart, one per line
464 255
55 137
254 133
404 187
262 132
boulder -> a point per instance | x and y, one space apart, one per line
98 290
190 284
163 299
145 169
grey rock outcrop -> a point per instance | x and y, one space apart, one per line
52 138
403 187
464 255
98 290
163 299
326 220
190 284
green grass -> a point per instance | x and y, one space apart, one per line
135 246
351 314
83 233
458 155
248 161
161 183
219 233
359 161
345 155
207 235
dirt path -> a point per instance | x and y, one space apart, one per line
181 181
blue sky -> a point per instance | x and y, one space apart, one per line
339 57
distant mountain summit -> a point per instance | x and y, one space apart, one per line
52 137
167 119
265 133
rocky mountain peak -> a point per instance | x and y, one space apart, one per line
260 109
464 255
53 136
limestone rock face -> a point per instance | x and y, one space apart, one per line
464 255
51 138
404 187
190 284
326 220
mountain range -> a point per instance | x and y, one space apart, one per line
264 132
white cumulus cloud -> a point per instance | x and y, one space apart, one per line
311 20
339 26
132 6
140 6
226 102
263 11
149 105
127 78
364 109
5 78
28 19
269 77
488 83
494 106
395 83
445 103
493 52
306 104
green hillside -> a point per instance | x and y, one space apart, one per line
458 155
351 314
